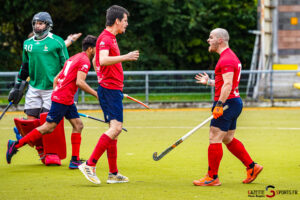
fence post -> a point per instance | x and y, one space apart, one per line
147 88
82 96
212 89
271 88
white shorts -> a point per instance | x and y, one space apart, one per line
36 98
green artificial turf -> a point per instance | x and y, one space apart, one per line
271 137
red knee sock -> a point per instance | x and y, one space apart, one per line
101 146
238 149
32 136
215 154
76 141
112 156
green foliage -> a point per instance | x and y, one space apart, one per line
170 34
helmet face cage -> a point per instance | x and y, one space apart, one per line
46 19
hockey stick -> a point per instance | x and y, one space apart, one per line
156 158
22 88
6 109
100 120
133 99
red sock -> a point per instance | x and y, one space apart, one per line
215 154
101 146
237 148
112 156
76 141
32 136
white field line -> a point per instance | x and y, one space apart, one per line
177 127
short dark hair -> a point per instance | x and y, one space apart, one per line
115 12
89 41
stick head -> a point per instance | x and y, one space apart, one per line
135 100
155 156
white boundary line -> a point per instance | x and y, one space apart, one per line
177 127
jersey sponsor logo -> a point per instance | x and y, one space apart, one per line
49 117
45 48
55 97
85 67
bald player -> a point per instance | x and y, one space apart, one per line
223 125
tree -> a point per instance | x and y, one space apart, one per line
170 34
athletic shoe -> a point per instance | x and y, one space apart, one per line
11 150
207 181
89 173
252 173
75 163
52 159
119 178
41 153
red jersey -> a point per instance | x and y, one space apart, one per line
66 85
111 76
228 62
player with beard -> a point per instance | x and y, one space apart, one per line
65 85
223 126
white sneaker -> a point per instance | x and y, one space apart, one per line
89 172
119 178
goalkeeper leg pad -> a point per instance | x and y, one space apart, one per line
54 142
24 126
52 159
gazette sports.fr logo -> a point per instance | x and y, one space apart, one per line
271 192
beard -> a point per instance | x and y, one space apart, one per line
213 47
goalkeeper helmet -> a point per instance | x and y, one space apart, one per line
45 18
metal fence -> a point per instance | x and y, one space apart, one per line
181 86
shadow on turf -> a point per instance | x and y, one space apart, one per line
88 185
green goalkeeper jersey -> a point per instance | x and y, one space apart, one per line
45 59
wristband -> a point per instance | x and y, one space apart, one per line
208 82
219 103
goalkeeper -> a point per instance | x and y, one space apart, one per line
44 55
71 77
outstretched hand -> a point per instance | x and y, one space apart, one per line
74 37
202 78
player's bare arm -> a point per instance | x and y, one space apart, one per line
204 79
72 38
105 59
80 82
227 86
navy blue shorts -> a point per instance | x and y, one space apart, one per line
228 120
58 111
111 103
